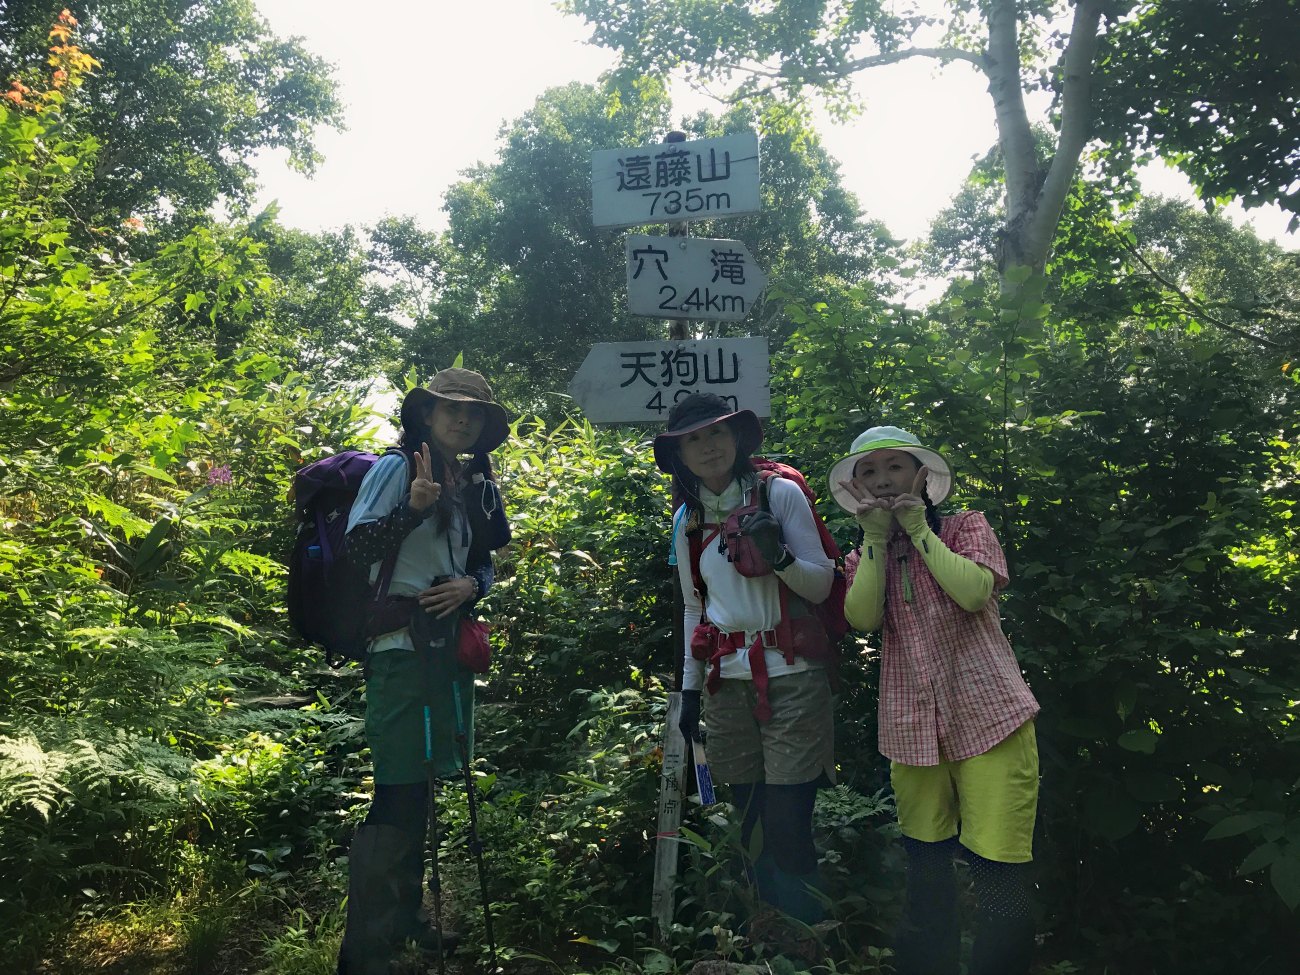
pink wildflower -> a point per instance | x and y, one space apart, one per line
220 475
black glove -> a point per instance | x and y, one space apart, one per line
689 722
766 533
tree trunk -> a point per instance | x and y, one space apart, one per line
1036 192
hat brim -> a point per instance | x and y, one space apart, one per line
938 483
496 425
744 423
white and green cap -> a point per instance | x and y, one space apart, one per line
937 485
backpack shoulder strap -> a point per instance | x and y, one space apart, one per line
389 566
410 461
764 490
693 528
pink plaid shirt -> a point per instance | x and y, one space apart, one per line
950 686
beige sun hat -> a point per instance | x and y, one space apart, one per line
463 386
938 483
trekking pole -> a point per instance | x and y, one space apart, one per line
475 844
435 882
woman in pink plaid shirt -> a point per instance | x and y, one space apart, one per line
956 717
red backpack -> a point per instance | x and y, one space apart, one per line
815 637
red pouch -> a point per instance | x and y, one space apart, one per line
473 650
703 640
741 550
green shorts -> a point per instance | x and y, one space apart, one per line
395 716
992 797
796 746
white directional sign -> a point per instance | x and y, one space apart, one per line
691 277
638 382
675 181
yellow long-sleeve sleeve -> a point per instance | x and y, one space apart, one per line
968 583
864 603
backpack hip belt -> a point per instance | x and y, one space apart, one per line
803 636
389 614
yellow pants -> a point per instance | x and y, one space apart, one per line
989 801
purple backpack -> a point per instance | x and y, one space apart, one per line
329 597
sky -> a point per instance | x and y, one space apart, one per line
427 86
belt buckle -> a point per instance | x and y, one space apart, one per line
769 639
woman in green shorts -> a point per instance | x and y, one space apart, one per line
956 717
442 524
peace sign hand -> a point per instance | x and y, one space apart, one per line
872 513
913 499
424 490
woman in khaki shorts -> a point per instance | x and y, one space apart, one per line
769 715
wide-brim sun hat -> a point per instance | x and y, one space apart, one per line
938 483
701 410
463 386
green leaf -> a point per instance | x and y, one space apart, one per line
1125 699
696 839
1285 875
1153 787
609 946
1017 274
1259 858
1110 814
155 472
1242 823
151 547
656 963
1139 740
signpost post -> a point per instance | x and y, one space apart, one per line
679 278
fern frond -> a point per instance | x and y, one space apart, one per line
30 776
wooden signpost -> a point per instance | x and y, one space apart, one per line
678 278
691 277
638 382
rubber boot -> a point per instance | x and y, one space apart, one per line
379 906
928 939
798 895
1003 945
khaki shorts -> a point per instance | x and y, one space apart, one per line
796 746
992 798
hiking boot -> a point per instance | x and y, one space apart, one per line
423 933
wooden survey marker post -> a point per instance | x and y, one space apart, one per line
671 796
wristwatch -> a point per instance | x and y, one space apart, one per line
784 562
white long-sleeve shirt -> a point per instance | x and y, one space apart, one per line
753 605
